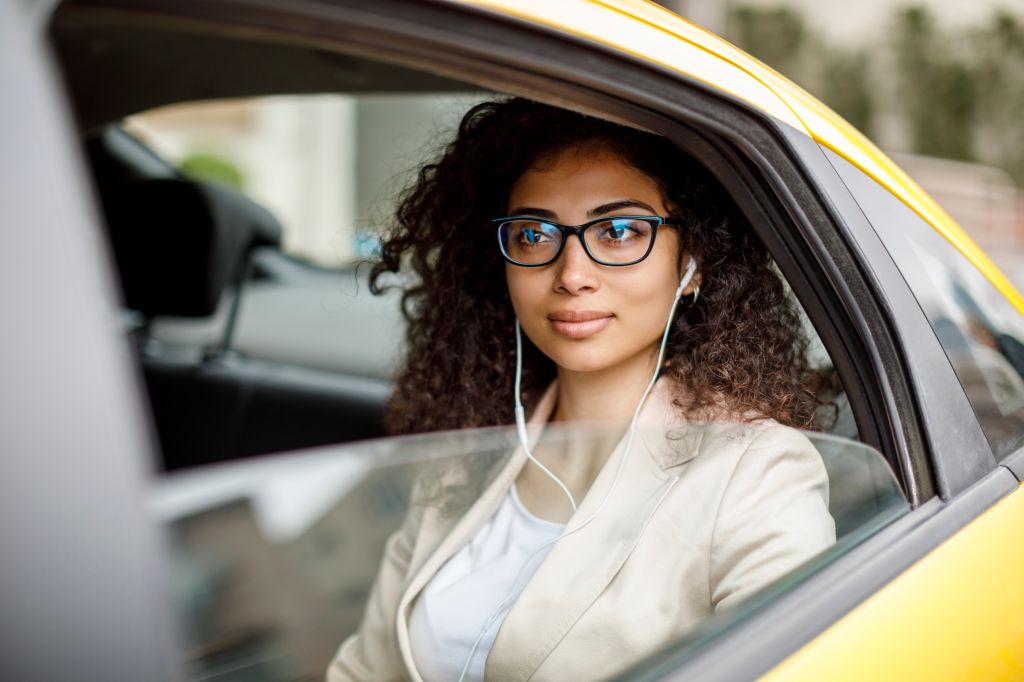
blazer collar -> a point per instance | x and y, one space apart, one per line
666 437
663 436
600 537
581 564
457 535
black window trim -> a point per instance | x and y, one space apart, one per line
960 452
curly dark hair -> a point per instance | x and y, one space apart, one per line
741 346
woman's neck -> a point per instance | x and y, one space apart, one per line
610 395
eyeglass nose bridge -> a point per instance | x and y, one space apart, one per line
578 230
569 231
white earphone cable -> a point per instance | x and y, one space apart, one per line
521 421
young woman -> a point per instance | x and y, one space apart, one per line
593 273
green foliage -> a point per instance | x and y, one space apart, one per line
846 86
779 37
936 87
776 36
958 93
999 85
212 168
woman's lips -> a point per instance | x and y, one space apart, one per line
579 324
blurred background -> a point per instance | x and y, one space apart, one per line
938 85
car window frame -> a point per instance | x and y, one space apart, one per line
966 454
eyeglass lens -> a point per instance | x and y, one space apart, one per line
614 241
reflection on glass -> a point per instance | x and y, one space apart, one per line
981 338
981 332
273 561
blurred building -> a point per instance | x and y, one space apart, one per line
845 53
298 156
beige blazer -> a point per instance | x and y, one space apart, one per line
699 520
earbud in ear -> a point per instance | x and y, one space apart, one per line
691 270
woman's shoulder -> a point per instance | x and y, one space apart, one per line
728 444
770 460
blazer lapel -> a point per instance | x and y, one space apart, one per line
582 563
478 513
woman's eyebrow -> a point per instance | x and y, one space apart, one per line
530 210
619 205
593 213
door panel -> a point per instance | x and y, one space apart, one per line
954 615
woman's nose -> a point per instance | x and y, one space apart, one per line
575 272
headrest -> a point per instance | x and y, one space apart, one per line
179 243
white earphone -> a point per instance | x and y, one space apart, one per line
523 436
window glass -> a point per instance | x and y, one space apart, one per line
979 330
301 353
327 166
272 562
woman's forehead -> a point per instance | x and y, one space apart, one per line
581 179
579 150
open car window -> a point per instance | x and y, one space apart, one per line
287 327
272 562
328 166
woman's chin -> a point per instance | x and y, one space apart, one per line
584 360
597 355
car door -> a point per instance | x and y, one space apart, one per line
967 573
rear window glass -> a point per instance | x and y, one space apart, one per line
327 166
981 333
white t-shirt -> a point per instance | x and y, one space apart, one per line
467 590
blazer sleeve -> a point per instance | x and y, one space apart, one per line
371 653
773 515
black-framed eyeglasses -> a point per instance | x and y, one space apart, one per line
618 240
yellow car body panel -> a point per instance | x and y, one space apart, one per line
658 36
954 615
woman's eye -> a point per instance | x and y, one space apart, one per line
619 232
532 236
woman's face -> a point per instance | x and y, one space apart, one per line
585 316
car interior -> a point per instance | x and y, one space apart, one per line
183 249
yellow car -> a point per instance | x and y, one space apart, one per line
124 561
